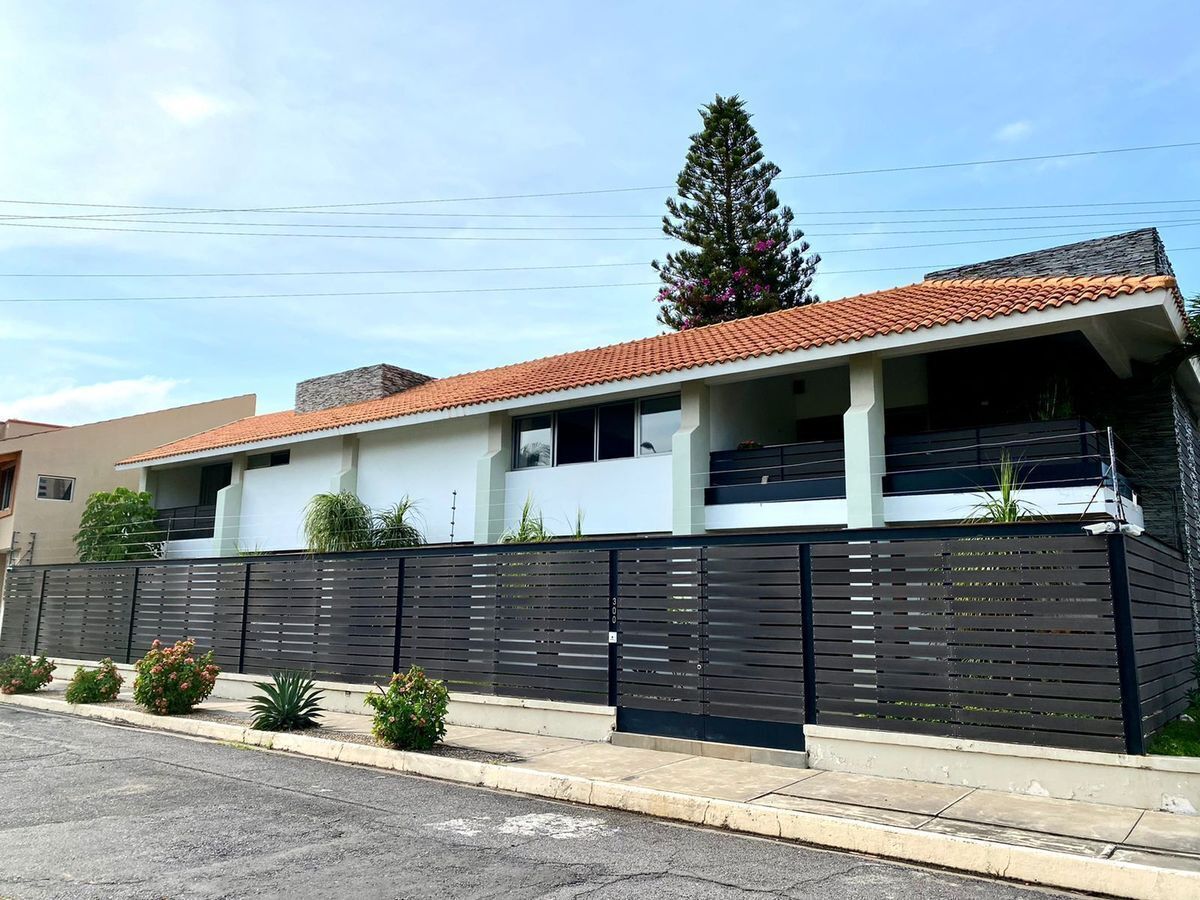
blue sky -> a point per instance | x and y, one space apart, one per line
224 105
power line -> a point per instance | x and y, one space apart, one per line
433 291
148 211
555 238
660 187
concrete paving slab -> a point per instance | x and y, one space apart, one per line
720 778
525 746
844 810
1157 860
1021 838
1166 831
347 722
1073 818
883 793
604 761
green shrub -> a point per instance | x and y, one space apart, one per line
289 702
95 685
411 713
171 680
24 674
118 526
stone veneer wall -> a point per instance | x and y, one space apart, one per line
355 386
1187 438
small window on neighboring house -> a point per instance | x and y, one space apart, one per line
660 419
269 460
534 441
8 477
55 487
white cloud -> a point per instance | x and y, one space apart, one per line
1014 131
93 402
189 106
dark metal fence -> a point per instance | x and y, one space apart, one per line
1031 634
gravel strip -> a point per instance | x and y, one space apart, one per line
352 737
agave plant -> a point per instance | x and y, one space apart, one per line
531 529
290 701
1003 504
394 526
334 523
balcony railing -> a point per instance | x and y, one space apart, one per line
1057 453
184 523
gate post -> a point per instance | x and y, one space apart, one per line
807 642
396 638
245 616
614 586
1131 701
37 626
137 574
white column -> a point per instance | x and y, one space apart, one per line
689 461
228 517
489 480
347 477
863 423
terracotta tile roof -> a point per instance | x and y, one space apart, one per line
927 304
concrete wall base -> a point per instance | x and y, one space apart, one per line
796 759
1168 783
579 721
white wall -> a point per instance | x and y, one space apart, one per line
760 410
177 487
616 496
427 463
273 500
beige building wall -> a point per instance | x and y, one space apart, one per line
40 531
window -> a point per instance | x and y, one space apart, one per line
615 427
658 423
590 433
55 487
535 440
576 434
8 477
269 460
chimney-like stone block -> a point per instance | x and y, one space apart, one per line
355 386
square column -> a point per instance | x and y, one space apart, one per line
228 517
346 480
863 429
489 480
690 461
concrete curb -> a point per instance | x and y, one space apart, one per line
1024 864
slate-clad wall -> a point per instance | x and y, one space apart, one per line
355 386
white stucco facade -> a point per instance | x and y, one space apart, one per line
273 499
613 496
434 465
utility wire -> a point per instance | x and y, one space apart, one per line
660 187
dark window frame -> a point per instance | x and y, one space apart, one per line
636 403
8 487
70 498
274 459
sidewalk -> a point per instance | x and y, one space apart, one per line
1086 846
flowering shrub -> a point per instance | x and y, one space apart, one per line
95 685
172 680
411 713
24 674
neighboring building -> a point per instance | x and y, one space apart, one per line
47 472
885 408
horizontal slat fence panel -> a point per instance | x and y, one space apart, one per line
330 617
85 611
1164 637
551 625
200 600
1007 639
22 595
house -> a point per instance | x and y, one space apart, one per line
892 407
47 472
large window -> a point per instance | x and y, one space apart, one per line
8 478
589 433
55 487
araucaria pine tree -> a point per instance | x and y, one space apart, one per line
744 256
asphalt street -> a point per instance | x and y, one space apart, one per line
93 810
